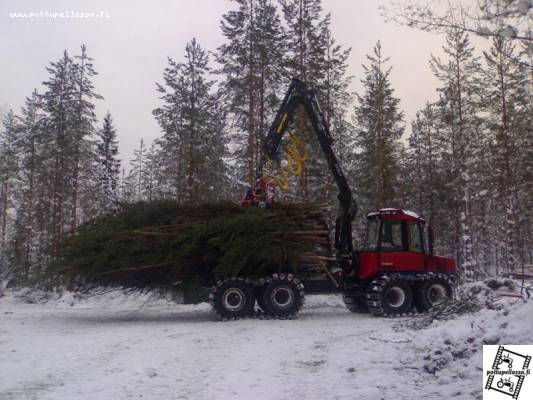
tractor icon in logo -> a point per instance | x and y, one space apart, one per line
506 382
507 359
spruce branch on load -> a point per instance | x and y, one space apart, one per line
151 244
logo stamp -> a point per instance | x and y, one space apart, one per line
506 369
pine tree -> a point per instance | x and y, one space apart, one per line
58 101
194 124
307 33
378 121
51 189
82 128
526 155
508 120
458 74
238 65
304 36
335 100
270 51
8 172
32 182
251 61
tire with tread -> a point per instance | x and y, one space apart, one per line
389 296
424 293
282 296
232 298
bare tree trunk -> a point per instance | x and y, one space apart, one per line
304 177
57 208
3 235
261 131
193 133
469 261
251 107
75 192
179 194
29 211
505 146
77 138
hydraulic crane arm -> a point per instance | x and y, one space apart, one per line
298 94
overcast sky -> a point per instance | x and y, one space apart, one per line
130 45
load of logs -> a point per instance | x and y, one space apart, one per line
157 243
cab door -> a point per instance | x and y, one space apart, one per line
401 247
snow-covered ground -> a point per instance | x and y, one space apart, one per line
117 346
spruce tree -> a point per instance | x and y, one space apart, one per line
424 174
379 126
108 164
136 177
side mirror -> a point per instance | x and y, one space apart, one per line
430 239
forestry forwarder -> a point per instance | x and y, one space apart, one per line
393 274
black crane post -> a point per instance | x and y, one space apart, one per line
298 94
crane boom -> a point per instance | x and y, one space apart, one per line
298 94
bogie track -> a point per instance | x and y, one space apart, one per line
281 296
397 295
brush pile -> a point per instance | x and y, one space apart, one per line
158 243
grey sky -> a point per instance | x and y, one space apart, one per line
131 46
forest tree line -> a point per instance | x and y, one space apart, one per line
464 162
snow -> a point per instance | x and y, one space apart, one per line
121 346
406 212
452 350
411 214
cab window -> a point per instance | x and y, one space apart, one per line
414 238
371 237
391 236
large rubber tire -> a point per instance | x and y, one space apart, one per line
282 296
232 298
355 304
432 292
389 297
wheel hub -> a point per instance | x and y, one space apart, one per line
233 299
395 297
282 297
436 294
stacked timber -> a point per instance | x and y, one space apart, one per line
158 243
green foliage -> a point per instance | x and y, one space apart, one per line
379 123
149 244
